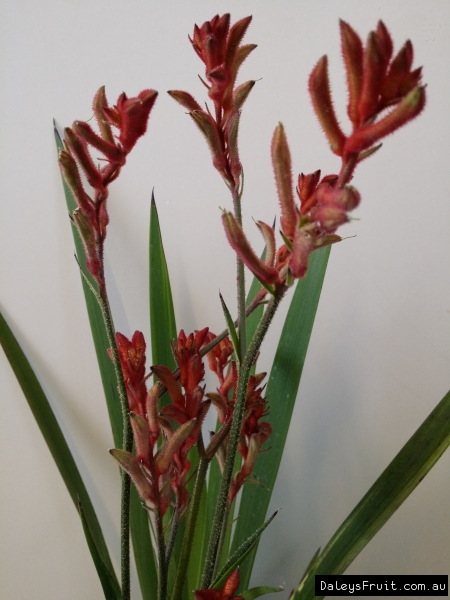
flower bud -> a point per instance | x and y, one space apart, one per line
319 89
185 99
281 160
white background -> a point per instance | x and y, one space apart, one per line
379 358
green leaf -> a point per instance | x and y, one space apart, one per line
236 559
199 543
256 592
140 534
142 547
54 438
109 583
162 317
389 491
163 330
231 328
283 383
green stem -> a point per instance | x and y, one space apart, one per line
244 374
240 277
191 521
162 579
127 444
173 533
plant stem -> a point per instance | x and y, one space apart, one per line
162 579
240 278
173 533
127 444
244 374
190 524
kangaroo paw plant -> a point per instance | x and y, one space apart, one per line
179 481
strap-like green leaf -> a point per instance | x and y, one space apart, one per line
199 543
389 491
140 534
256 592
109 583
231 328
237 557
142 547
162 317
54 438
163 330
283 383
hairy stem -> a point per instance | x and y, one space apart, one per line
240 280
162 575
244 374
127 444
191 522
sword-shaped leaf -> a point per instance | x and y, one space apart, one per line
54 437
390 490
109 583
283 383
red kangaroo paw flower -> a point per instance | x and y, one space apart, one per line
173 387
71 175
78 148
269 237
85 132
352 52
230 586
241 94
185 100
130 464
400 79
239 243
209 40
374 70
319 89
98 105
384 40
231 131
141 437
164 457
409 108
208 127
281 160
302 246
132 361
306 188
134 114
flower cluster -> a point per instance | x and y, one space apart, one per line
219 47
152 470
376 83
188 405
253 432
130 117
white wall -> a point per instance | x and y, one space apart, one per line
379 358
